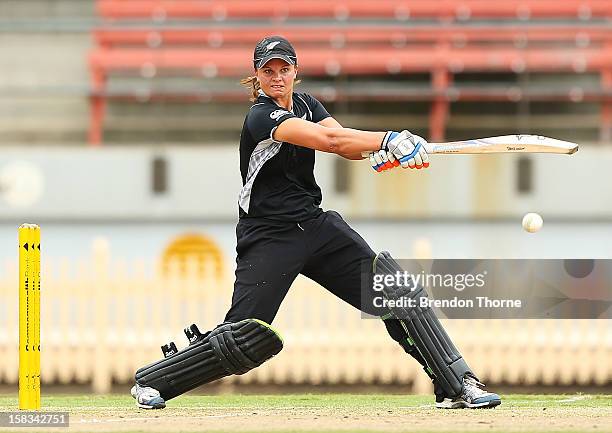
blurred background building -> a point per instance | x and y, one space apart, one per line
119 126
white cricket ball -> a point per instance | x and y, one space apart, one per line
532 222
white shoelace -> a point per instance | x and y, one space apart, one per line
473 388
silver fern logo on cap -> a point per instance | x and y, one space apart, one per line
271 45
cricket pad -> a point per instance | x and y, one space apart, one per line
425 331
231 348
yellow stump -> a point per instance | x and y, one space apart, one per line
29 317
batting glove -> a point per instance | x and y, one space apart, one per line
382 160
408 149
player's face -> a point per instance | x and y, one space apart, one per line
276 78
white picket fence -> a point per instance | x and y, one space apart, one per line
103 318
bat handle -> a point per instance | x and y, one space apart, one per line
429 148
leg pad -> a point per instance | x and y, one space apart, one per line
425 330
231 348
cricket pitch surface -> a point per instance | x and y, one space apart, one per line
325 413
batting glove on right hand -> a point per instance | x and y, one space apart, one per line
408 149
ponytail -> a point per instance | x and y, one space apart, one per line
251 83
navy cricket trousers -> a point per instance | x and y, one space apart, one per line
271 254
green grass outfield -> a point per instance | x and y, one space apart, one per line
328 413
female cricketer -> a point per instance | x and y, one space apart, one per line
283 232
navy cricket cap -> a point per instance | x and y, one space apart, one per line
273 47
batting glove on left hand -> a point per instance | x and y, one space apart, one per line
382 160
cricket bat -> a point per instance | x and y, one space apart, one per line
519 143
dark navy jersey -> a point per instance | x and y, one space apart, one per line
278 178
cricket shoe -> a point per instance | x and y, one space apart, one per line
473 396
147 397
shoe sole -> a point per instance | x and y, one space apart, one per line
145 406
464 405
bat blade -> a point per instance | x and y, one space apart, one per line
519 143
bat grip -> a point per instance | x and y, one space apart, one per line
429 148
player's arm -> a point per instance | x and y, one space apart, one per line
407 149
330 122
333 140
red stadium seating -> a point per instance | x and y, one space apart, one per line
387 48
382 60
441 60
219 10
337 37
